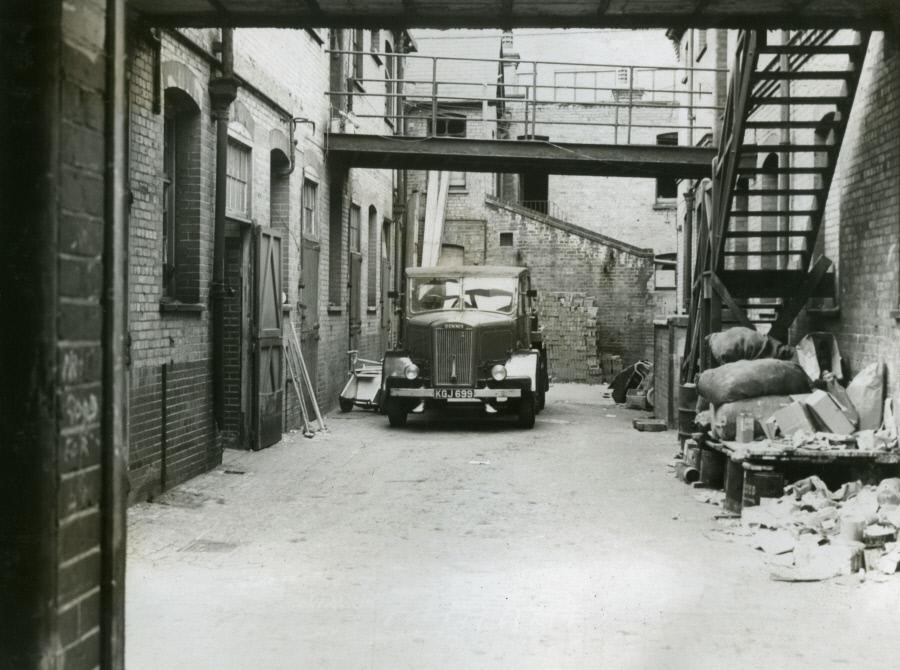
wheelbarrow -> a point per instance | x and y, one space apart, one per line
363 387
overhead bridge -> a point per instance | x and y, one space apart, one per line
472 155
510 115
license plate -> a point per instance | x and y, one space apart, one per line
454 393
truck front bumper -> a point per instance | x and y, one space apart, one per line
454 393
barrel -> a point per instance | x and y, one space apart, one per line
761 481
687 410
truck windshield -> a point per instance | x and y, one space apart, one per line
490 294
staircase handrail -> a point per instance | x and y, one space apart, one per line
731 137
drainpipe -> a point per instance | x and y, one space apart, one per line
222 92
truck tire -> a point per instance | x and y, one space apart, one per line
396 413
345 404
527 410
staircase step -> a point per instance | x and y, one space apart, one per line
796 125
771 283
798 100
812 49
760 234
761 305
777 75
786 148
784 191
774 212
759 169
765 253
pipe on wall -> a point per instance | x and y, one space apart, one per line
222 92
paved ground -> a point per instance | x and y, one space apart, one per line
474 545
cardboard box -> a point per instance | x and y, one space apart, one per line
792 418
828 414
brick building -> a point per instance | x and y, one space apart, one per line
305 242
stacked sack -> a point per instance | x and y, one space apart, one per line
756 379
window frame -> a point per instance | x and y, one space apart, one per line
246 152
666 201
309 186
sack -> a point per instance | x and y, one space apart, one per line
751 379
866 392
724 420
739 344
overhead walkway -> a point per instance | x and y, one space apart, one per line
466 155
507 115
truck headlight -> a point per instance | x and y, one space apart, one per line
498 372
411 371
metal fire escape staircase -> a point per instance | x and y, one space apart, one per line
759 219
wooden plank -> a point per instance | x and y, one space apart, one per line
730 302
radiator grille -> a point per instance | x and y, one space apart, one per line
453 353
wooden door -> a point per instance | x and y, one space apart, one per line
268 386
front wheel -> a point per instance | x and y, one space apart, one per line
345 404
527 410
396 413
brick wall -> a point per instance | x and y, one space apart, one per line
79 359
862 220
569 321
566 258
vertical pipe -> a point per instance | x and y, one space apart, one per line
434 92
114 438
222 98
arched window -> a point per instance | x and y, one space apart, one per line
768 181
181 202
824 137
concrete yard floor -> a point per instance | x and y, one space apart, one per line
469 543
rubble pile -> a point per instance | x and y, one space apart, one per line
812 533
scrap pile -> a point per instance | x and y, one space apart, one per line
812 533
775 424
758 396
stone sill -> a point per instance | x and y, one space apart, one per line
335 309
371 310
176 306
665 204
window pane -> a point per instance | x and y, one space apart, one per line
310 208
238 180
354 227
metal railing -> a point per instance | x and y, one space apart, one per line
545 207
511 99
